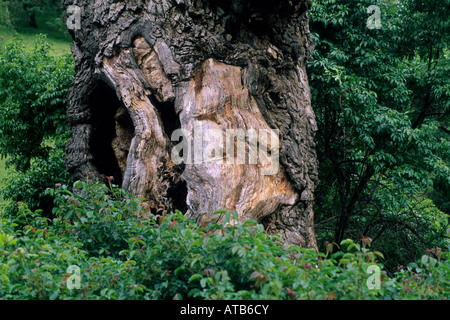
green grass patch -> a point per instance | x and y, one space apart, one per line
57 35
59 47
28 36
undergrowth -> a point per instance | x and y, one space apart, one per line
100 244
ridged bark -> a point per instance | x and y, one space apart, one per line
146 68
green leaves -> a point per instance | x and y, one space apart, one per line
381 102
7 240
157 261
97 216
351 245
33 90
33 128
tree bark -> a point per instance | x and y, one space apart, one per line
147 70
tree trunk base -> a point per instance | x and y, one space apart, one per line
198 106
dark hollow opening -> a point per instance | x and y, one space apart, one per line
105 107
170 120
178 193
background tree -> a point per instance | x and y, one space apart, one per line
24 11
5 17
382 102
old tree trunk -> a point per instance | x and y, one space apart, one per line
176 98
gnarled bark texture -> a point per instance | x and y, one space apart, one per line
147 68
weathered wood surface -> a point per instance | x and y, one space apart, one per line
146 69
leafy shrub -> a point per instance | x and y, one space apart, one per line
33 127
170 257
30 186
102 218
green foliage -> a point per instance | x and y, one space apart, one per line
24 13
5 18
29 186
33 128
381 97
98 219
34 88
170 257
382 103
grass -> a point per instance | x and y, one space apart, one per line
59 46
28 36
56 33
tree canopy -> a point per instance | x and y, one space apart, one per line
382 100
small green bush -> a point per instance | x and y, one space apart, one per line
122 253
33 126
103 219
